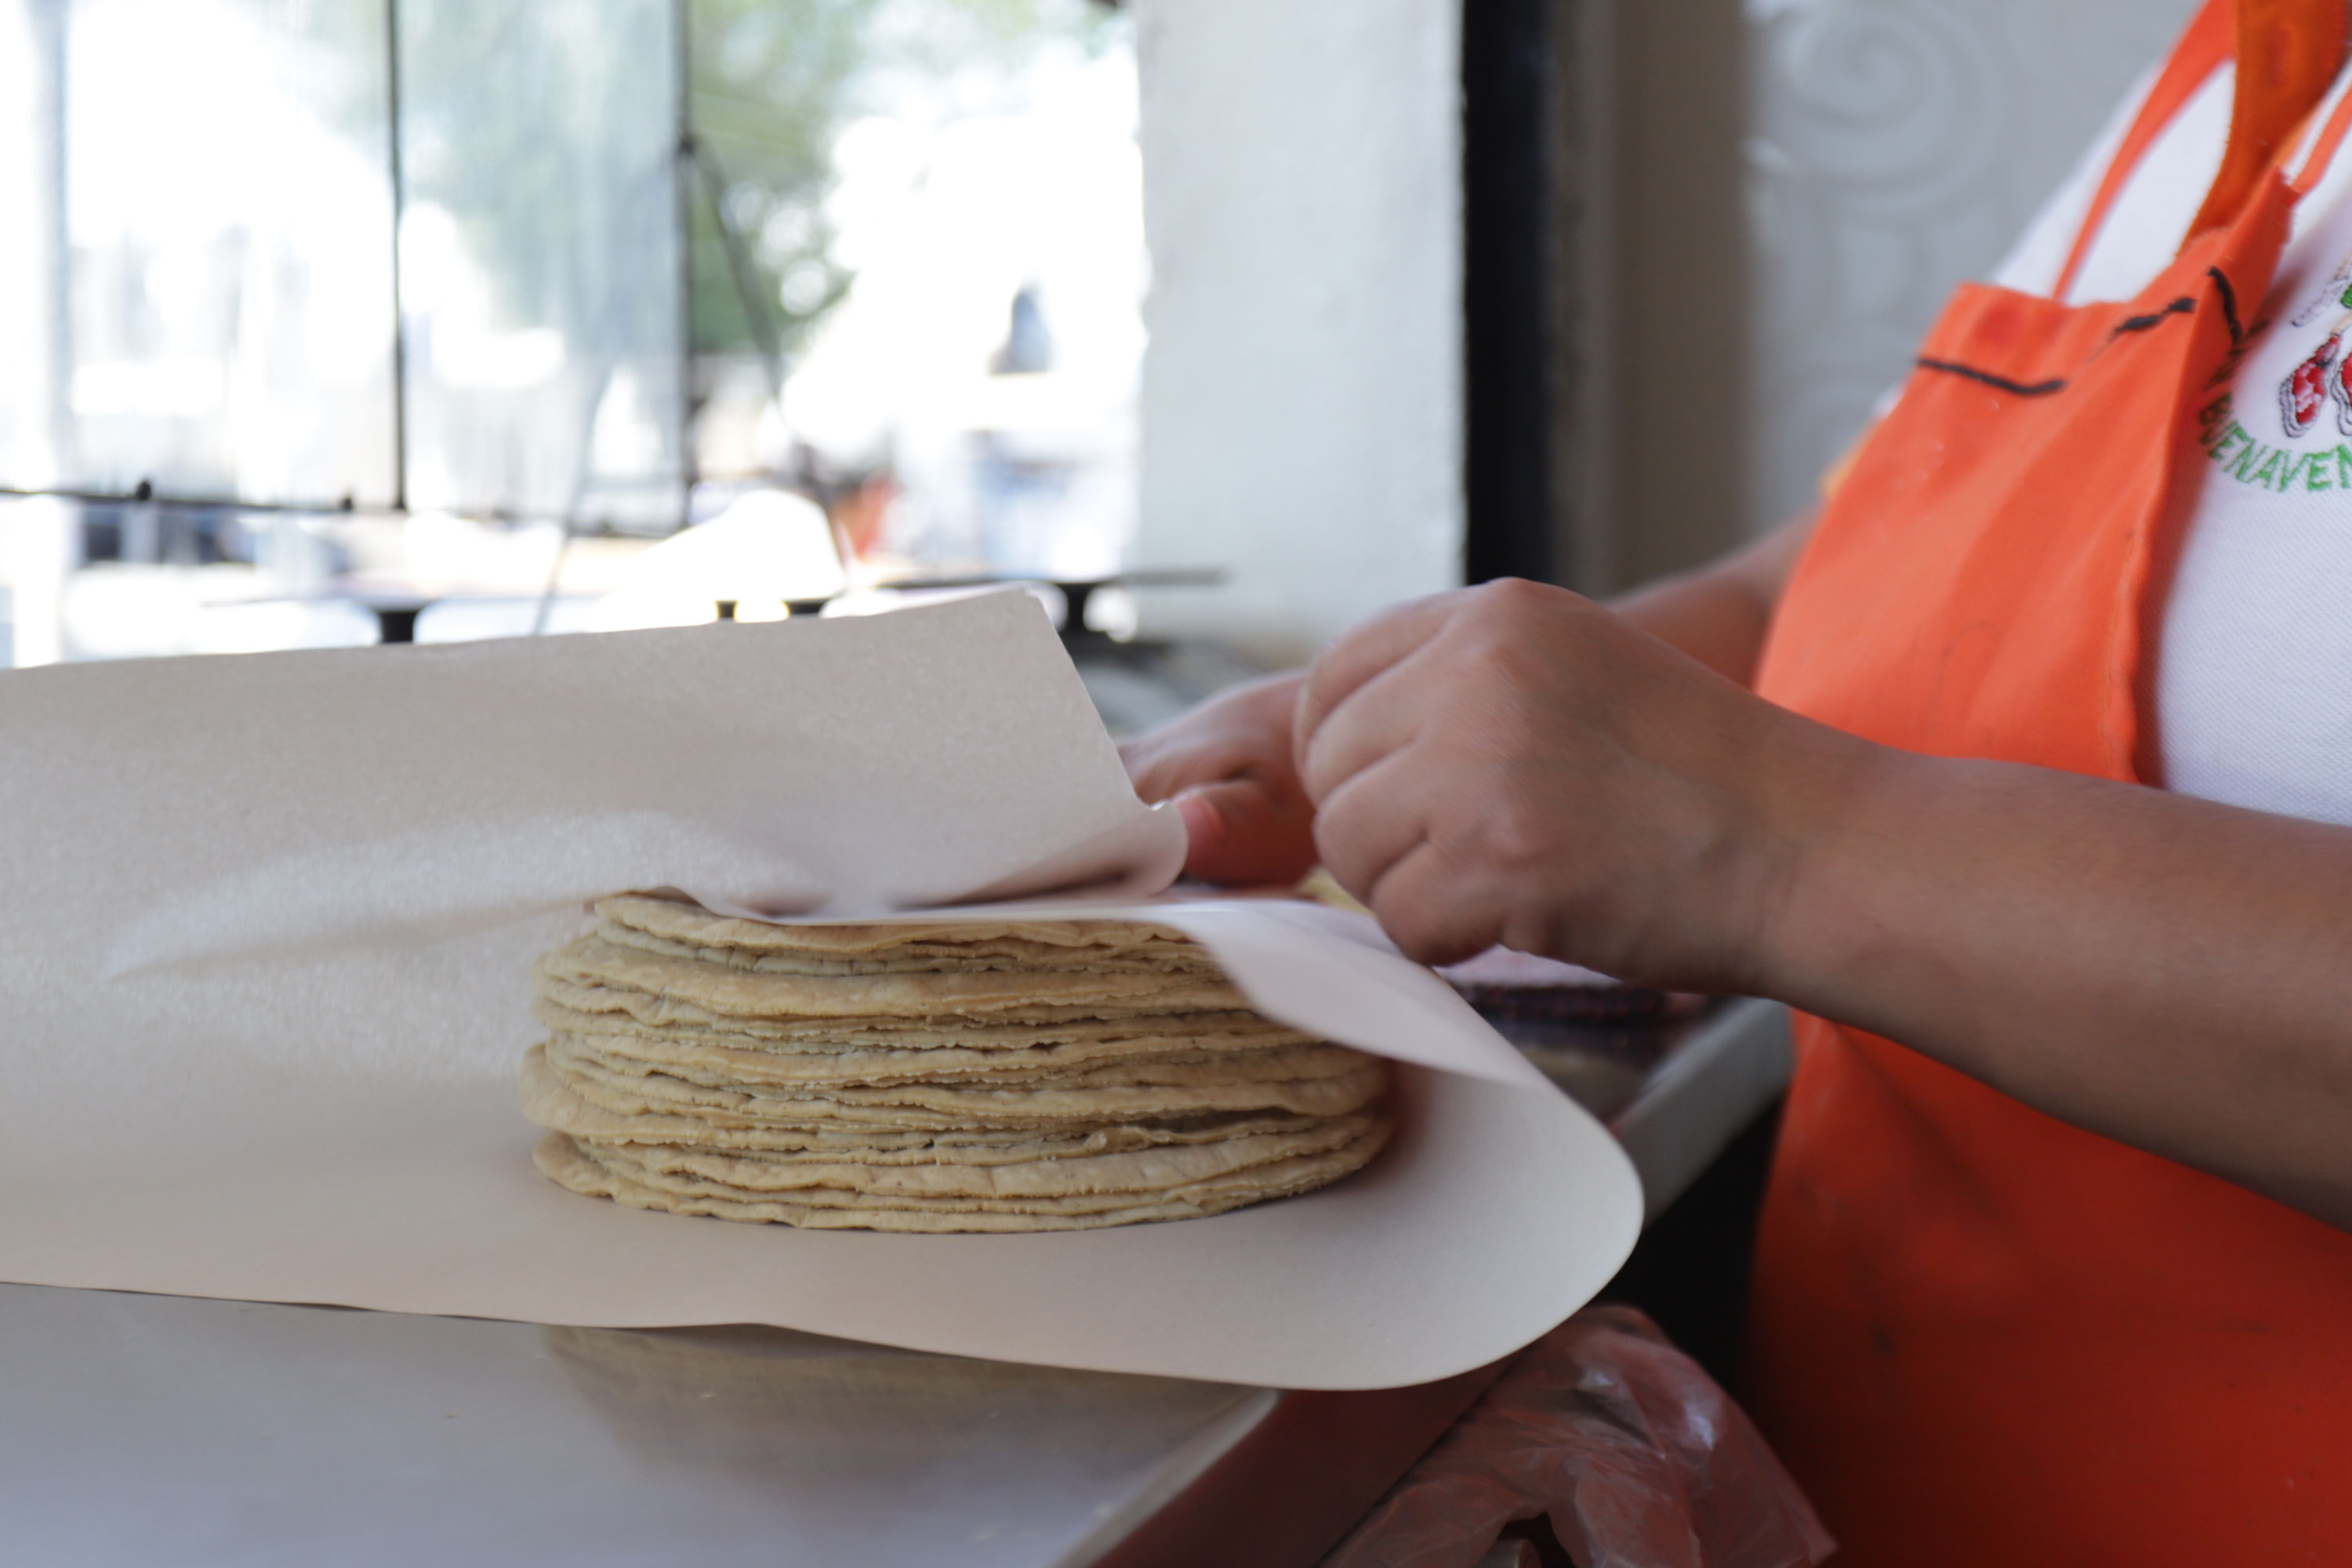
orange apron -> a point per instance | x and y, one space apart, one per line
1980 1336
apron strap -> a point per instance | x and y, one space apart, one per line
2297 47
2288 53
2203 50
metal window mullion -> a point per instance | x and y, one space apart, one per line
396 169
682 202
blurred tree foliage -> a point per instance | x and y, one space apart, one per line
771 82
531 126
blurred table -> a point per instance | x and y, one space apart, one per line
154 1429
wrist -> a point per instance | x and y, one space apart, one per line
1838 817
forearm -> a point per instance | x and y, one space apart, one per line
1713 616
1719 613
2167 971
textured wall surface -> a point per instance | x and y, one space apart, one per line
1897 147
1302 394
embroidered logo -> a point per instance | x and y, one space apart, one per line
2339 285
2324 378
2309 387
2240 456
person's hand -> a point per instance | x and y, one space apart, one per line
1513 763
1227 765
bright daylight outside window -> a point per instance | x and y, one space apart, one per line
855 293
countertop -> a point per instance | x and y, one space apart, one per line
162 1430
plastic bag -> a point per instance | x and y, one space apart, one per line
1639 1460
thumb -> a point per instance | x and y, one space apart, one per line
1242 832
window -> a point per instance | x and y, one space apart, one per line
205 307
316 277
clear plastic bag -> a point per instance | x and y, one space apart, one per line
1636 1457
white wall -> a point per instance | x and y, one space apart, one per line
1302 423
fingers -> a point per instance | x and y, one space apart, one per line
1227 764
1392 835
1242 832
1370 752
1429 912
1370 695
1387 714
1370 821
1240 732
1365 653
1162 764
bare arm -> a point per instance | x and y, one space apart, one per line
1719 613
2172 973
1514 763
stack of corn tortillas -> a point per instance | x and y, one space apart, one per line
1037 1075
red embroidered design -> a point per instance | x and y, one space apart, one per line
2306 390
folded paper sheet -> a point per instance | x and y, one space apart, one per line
264 946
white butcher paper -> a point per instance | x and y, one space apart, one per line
264 936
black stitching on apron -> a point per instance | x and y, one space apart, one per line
2229 305
2181 307
2002 383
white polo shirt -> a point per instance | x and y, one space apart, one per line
2253 672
